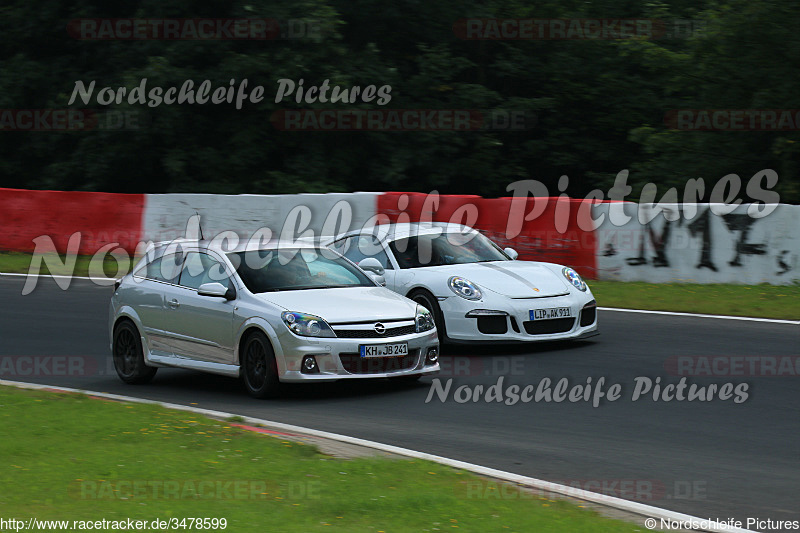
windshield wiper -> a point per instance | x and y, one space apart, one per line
299 288
309 287
337 286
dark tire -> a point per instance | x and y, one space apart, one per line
259 367
129 356
428 301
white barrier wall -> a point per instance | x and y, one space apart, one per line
166 215
697 245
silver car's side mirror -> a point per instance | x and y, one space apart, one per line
510 252
370 264
213 289
374 269
380 280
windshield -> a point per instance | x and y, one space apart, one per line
445 249
295 269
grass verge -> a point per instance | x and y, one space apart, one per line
765 301
19 263
72 457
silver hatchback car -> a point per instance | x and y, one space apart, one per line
281 313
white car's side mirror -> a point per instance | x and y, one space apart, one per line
370 264
213 289
510 252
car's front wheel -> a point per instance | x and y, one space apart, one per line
259 367
128 355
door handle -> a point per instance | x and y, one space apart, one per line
174 304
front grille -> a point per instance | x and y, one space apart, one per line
372 334
355 364
545 327
588 315
492 325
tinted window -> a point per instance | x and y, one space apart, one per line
164 268
360 247
201 268
445 249
292 270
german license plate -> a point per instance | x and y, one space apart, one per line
553 312
383 350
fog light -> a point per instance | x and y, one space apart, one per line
433 356
309 365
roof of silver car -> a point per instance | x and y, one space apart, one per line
384 231
225 246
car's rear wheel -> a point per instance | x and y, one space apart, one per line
428 301
128 355
259 367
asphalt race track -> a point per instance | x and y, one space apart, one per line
714 459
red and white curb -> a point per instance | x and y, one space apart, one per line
650 512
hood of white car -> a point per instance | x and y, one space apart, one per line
515 279
348 304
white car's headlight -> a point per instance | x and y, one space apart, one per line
423 320
464 288
574 278
306 325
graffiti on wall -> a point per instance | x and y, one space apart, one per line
673 245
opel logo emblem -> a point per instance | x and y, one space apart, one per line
380 329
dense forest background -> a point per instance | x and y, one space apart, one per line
600 105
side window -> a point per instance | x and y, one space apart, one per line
165 268
406 252
360 247
202 268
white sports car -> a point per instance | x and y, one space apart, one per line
475 290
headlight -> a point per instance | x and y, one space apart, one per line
424 320
464 288
574 278
306 325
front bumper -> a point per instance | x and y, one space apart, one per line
338 358
512 321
